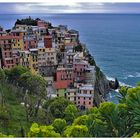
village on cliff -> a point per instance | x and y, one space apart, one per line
57 54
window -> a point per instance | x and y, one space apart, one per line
84 102
85 91
89 98
78 97
89 103
78 102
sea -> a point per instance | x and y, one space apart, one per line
113 40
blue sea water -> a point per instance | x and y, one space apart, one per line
113 40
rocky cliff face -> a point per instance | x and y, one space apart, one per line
101 87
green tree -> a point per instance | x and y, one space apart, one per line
133 103
2 81
42 131
15 73
36 86
2 74
4 118
59 125
117 119
123 91
70 113
78 48
5 136
76 131
96 127
136 135
56 107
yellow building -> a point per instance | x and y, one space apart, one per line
29 59
34 60
18 44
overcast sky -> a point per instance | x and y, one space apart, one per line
69 7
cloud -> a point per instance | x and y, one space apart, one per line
69 7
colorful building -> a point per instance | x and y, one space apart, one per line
85 96
69 57
79 70
51 56
64 78
42 23
70 94
48 41
10 45
30 42
34 60
25 58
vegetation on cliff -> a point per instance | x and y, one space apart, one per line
29 21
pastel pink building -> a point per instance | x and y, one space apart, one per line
85 96
41 23
64 78
79 70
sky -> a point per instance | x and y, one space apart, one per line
69 7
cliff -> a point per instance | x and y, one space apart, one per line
101 87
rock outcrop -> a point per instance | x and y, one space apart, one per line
102 87
114 84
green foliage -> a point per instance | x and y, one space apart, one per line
133 103
59 125
56 107
27 21
96 127
93 110
60 116
91 59
78 48
5 136
123 91
70 113
76 131
15 73
136 135
35 84
138 84
42 131
2 74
